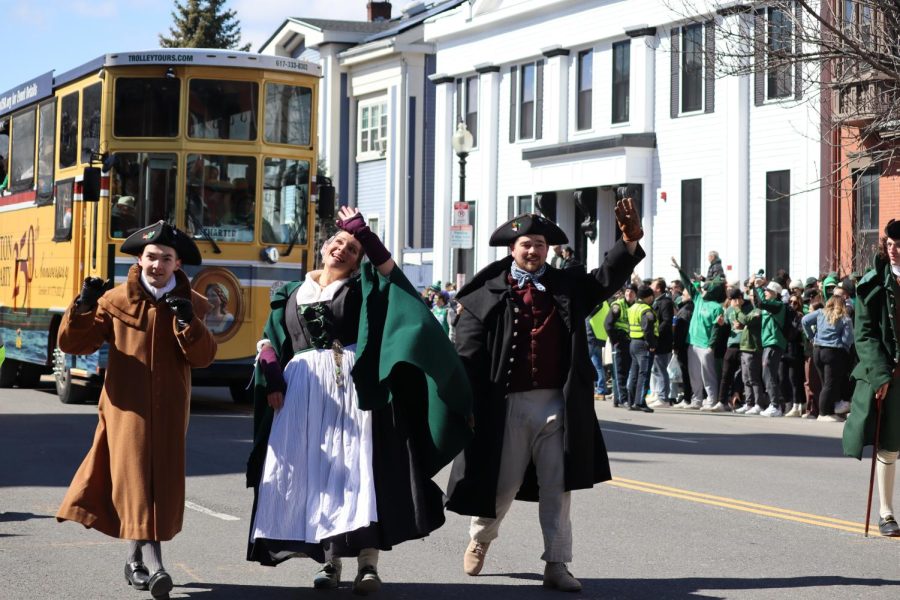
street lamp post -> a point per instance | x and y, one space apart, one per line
462 144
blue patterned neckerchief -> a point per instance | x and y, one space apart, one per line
522 277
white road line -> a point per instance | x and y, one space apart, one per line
212 513
649 435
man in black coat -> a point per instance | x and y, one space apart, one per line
664 309
522 341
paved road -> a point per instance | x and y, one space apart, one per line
704 506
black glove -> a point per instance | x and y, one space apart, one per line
183 309
91 290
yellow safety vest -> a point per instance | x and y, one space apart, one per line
598 320
635 313
622 321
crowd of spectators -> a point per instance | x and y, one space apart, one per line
771 346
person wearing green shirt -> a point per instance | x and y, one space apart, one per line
708 315
767 297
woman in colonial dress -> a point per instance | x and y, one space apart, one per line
355 411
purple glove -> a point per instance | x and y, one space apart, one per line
371 245
268 364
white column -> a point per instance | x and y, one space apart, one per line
443 175
489 132
734 101
643 79
556 98
329 131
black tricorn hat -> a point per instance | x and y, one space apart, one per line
163 234
528 224
892 229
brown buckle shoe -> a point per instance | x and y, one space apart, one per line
558 577
473 559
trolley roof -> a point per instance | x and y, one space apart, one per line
42 86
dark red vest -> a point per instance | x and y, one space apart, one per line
539 341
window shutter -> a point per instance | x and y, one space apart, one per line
798 51
759 50
676 60
539 100
513 71
710 83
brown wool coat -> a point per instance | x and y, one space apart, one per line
131 483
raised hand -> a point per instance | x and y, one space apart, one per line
675 264
628 220
352 221
91 290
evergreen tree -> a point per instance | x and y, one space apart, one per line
203 24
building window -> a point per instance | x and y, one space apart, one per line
692 68
585 88
467 105
691 224
779 81
517 205
526 102
621 83
778 221
865 219
373 125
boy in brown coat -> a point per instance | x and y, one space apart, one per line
131 483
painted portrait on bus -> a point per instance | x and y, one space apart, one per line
222 290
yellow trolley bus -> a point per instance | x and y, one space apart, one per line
221 144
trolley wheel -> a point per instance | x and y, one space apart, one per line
29 375
68 392
240 394
9 371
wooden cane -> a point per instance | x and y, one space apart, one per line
874 458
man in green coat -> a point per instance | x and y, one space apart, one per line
877 373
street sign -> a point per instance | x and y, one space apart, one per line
461 236
460 213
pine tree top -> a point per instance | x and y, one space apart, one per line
203 24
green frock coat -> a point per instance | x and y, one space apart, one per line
875 331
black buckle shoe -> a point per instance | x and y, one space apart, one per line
137 575
160 584
888 527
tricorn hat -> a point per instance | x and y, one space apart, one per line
163 234
892 229
528 224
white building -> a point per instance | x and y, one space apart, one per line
571 99
375 123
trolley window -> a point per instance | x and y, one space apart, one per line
220 197
46 147
142 191
62 230
146 107
288 111
222 110
285 201
68 130
21 173
4 150
90 122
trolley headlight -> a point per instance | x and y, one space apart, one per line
270 255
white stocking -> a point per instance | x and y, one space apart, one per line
886 467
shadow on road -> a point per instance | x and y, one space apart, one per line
46 449
688 587
15 517
630 437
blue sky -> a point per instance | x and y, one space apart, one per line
45 35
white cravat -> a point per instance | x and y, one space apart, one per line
895 269
155 291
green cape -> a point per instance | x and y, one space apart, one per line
402 355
